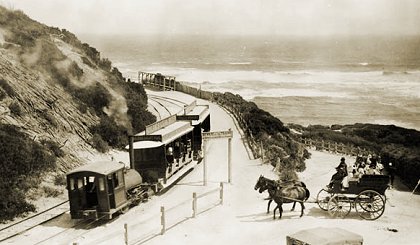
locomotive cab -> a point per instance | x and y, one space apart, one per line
97 190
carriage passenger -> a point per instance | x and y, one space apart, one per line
338 176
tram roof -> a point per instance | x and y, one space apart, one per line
202 111
101 167
199 111
146 144
167 134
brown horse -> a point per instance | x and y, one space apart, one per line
286 184
280 194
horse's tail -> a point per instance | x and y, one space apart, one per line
307 194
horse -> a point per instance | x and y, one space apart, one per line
280 194
285 184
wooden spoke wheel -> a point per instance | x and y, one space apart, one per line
370 205
323 198
339 206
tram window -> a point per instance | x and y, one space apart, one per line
101 184
90 186
72 184
120 177
116 182
79 183
147 154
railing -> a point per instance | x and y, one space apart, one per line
153 224
334 147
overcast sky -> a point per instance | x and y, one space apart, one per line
243 17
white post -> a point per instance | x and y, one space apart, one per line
194 204
230 159
221 193
262 153
126 234
162 220
204 163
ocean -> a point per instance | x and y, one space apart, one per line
308 81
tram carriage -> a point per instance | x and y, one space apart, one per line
167 145
366 194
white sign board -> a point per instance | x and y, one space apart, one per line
219 134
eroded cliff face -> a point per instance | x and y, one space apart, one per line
46 81
47 110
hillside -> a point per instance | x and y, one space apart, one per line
60 103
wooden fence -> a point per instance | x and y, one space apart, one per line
148 231
334 147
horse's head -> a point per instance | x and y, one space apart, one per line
261 184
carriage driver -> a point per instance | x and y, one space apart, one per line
340 174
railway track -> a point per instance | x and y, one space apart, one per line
71 233
165 106
28 223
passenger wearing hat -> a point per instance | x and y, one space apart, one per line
340 174
343 165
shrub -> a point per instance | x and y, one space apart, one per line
49 118
75 70
53 147
99 144
15 108
60 179
95 96
87 62
115 135
14 204
7 88
137 106
51 192
22 159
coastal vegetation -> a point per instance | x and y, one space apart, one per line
394 144
266 135
23 160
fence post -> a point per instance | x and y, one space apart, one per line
194 204
204 163
162 220
221 193
230 159
125 234
262 152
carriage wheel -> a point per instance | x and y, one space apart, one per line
370 204
339 206
323 198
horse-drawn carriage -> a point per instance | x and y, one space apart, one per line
366 194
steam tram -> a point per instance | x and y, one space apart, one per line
99 190
166 146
